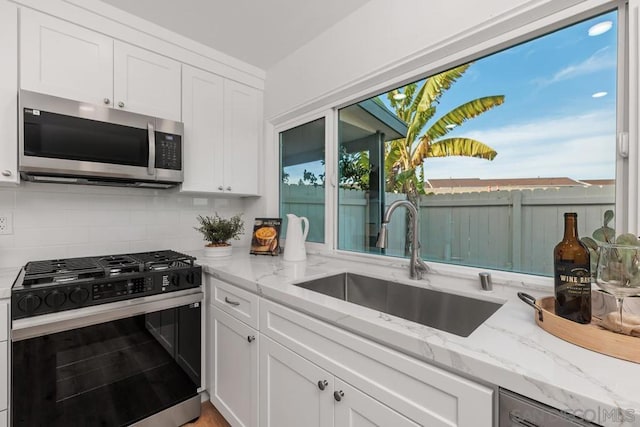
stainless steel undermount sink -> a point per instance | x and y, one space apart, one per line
456 314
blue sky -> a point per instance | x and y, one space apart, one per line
549 125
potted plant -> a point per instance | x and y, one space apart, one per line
218 231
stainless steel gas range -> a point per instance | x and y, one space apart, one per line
109 341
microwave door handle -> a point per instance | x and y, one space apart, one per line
151 167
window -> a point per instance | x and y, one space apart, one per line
302 176
493 152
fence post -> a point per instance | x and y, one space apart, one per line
516 230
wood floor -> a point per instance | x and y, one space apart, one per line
209 417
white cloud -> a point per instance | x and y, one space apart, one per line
581 147
601 60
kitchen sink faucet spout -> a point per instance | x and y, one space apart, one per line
417 266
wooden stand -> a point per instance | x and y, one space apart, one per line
590 336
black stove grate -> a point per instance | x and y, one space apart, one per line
37 272
74 269
161 260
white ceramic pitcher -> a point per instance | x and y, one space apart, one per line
294 246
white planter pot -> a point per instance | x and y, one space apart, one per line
217 251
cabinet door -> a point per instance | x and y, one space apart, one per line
233 377
356 409
202 114
289 386
242 130
145 82
66 60
8 93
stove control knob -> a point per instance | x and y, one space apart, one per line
79 295
55 299
29 303
191 278
175 279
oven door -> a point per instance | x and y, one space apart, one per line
135 361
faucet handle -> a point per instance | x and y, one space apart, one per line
485 281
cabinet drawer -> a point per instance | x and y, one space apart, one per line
425 394
4 422
236 302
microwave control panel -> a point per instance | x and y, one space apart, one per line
168 151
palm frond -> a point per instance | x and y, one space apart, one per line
462 113
466 147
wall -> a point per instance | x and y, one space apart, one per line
383 40
57 221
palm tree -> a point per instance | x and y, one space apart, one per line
404 156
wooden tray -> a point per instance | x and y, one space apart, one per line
590 336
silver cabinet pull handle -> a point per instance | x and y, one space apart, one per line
121 104
220 188
107 101
322 384
229 188
6 172
228 301
251 338
338 395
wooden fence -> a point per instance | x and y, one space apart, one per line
509 230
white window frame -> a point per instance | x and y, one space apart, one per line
330 168
482 41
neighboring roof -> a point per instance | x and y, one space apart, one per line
513 182
599 181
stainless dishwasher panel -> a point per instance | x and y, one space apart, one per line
518 411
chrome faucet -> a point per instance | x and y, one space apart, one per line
416 266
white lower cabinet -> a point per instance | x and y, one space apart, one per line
303 394
291 389
357 409
233 373
394 385
306 372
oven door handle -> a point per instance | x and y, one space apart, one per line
46 324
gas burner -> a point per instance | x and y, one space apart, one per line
163 260
57 270
119 264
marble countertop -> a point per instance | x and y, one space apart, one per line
7 277
508 350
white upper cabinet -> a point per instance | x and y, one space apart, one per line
8 93
146 82
202 105
223 122
242 129
66 60
62 59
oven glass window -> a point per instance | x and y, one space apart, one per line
113 373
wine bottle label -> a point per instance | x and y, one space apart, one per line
572 278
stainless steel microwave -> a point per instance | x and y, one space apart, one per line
67 141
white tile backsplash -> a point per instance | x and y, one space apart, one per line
57 221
